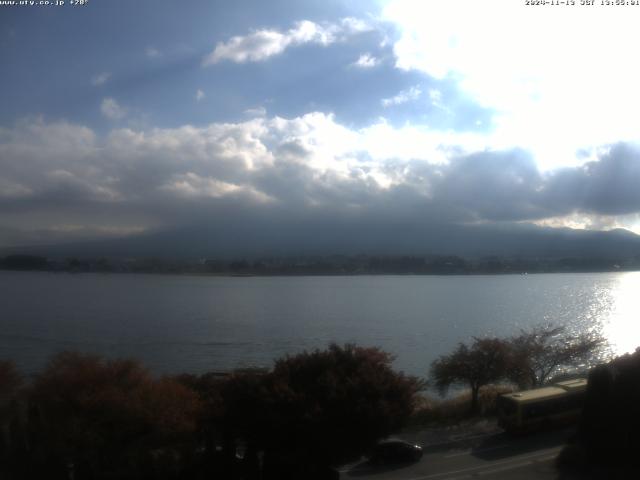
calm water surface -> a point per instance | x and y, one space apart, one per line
186 323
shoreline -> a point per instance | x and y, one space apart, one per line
312 274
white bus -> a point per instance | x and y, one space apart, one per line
557 404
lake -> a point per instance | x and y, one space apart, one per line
197 323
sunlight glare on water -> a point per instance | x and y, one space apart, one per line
622 328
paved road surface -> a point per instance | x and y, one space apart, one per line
497 456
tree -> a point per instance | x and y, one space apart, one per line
475 366
109 418
10 382
208 387
10 379
234 411
610 421
538 353
340 401
319 408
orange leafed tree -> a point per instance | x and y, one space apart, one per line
109 415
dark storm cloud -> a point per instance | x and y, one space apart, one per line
508 186
608 186
500 186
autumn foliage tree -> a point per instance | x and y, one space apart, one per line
208 387
108 418
10 382
10 379
483 362
537 354
233 413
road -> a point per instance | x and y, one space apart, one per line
497 456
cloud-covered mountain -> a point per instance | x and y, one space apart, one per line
250 237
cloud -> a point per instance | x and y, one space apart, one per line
256 112
100 79
112 110
435 96
13 190
191 185
57 173
404 96
493 186
152 52
199 95
366 60
260 45
605 186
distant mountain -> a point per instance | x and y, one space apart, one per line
263 238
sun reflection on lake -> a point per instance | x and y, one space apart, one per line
623 328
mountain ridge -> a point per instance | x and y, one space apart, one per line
243 239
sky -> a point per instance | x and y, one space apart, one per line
119 118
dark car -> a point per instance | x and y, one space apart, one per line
395 451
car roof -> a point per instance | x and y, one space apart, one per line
395 441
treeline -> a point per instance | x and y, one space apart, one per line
85 417
326 265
